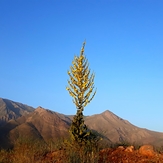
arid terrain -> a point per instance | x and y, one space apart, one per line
22 127
121 154
144 154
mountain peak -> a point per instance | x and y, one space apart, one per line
110 115
40 109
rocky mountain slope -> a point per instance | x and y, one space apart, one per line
12 110
47 125
40 124
119 130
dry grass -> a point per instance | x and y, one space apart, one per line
33 151
24 151
64 151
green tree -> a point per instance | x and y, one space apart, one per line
80 87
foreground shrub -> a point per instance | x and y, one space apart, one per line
77 153
62 151
24 151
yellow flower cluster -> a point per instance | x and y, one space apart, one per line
80 83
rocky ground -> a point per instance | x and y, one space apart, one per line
121 154
144 154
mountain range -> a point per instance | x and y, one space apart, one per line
19 120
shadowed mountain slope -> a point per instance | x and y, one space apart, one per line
40 124
12 110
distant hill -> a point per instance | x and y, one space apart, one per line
119 130
47 125
12 110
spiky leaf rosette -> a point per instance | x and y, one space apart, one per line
81 83
78 129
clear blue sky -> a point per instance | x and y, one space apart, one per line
39 38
